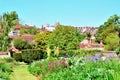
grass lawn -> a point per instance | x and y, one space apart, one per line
20 72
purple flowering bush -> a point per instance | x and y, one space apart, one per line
47 66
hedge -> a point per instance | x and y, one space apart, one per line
30 55
17 56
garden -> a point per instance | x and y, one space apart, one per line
57 55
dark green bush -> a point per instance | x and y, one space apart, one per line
29 55
17 56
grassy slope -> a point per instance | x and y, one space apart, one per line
20 72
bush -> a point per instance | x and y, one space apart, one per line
30 55
80 70
4 76
8 60
17 56
35 68
47 66
83 52
5 71
118 50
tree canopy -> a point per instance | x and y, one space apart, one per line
109 33
65 37
41 40
7 22
113 21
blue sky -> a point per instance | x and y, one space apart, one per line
67 12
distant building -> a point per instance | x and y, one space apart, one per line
48 28
84 30
88 44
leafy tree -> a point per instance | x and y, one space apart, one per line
7 22
41 40
111 41
106 32
21 44
65 37
113 21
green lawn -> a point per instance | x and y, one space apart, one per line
20 72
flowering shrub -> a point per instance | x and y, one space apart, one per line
47 66
81 70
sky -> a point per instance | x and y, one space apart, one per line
66 12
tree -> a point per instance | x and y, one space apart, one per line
65 37
106 32
112 41
7 21
113 21
41 40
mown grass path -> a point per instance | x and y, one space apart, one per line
20 72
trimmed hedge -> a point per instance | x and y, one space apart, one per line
17 56
29 55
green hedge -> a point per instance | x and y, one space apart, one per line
17 56
29 55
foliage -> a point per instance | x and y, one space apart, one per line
47 66
113 21
17 56
118 50
82 52
41 40
21 44
79 52
65 37
112 41
81 70
48 52
31 31
105 33
8 21
5 71
56 51
9 60
30 55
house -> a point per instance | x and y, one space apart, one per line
89 44
13 33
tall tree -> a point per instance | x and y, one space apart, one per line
65 37
111 41
8 21
41 40
113 21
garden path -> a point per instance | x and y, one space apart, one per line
20 72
